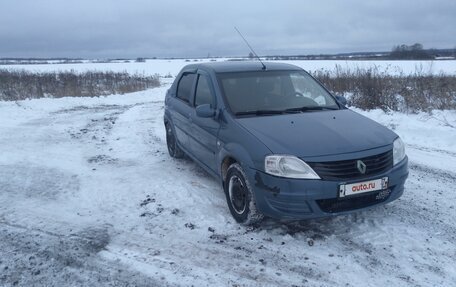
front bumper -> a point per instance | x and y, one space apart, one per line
284 198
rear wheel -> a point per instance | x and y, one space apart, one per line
171 142
240 198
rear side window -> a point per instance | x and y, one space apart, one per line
203 92
184 88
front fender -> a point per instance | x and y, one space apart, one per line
237 142
237 152
252 158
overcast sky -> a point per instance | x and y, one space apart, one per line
185 28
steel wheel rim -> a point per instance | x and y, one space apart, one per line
238 194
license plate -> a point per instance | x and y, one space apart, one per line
363 187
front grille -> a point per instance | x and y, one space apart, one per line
348 169
345 204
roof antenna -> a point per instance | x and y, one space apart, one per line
250 47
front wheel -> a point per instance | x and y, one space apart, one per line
240 198
171 142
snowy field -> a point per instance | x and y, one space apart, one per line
90 197
172 67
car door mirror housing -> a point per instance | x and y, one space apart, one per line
205 111
342 100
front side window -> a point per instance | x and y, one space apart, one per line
274 91
203 92
184 88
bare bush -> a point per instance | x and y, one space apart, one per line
20 85
371 88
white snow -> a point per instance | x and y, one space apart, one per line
384 66
88 190
172 67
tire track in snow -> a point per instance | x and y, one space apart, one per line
36 257
432 150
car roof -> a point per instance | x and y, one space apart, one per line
242 66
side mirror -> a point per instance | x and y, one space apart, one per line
205 111
342 100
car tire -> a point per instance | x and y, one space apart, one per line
171 142
239 196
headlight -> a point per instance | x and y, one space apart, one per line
288 166
398 151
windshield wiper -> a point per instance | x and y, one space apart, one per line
279 112
260 112
311 108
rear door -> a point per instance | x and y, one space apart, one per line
182 108
203 140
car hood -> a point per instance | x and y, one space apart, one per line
318 133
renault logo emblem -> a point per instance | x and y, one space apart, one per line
361 166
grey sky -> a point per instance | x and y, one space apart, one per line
185 28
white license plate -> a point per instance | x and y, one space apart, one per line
363 187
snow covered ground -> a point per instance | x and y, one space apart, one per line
89 196
172 67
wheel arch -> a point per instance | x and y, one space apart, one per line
226 163
233 153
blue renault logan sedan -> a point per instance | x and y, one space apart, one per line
280 144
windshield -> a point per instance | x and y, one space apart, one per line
274 92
